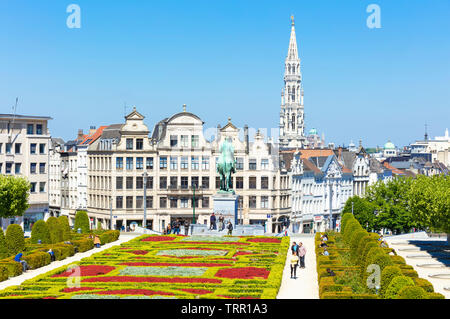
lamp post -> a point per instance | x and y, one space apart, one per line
145 199
193 204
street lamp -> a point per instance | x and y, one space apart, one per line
145 199
193 203
110 213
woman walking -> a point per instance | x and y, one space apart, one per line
294 264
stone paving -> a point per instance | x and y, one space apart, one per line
306 285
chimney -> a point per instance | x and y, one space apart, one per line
92 130
80 134
340 153
246 138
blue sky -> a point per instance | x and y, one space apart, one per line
226 59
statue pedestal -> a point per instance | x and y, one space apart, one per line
227 205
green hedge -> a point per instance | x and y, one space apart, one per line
56 233
3 248
397 284
15 242
13 267
109 236
82 221
37 259
435 295
412 292
3 273
388 273
40 232
63 222
83 244
423 283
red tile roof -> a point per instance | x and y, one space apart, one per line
94 136
394 170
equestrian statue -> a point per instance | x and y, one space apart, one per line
226 166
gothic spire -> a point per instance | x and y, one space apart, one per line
293 51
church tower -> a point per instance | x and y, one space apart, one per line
292 112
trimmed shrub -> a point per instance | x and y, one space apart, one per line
63 222
413 292
109 236
396 285
435 295
423 283
347 295
15 242
388 273
13 267
3 249
37 259
346 217
99 226
398 260
356 239
3 273
41 232
82 221
83 244
352 227
56 235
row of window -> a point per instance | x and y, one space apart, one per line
18 168
172 182
18 148
34 129
33 186
131 202
182 162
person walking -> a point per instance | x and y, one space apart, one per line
230 228
97 241
177 225
186 227
212 221
301 254
221 223
294 264
294 247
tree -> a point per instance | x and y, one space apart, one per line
82 221
15 242
56 233
3 249
363 211
390 201
65 227
14 192
40 232
429 199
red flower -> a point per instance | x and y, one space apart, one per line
49 297
240 253
78 289
90 270
151 279
264 240
241 297
158 238
138 252
208 243
176 264
197 291
243 273
144 292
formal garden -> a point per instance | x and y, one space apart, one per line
364 268
170 266
54 234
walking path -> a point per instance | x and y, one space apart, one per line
305 286
124 237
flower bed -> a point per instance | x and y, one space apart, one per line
169 266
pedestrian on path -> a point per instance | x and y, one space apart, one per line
301 254
294 264
294 248
230 228
97 241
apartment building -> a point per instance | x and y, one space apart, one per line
178 166
24 151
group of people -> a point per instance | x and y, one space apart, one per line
297 258
221 222
175 227
323 244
